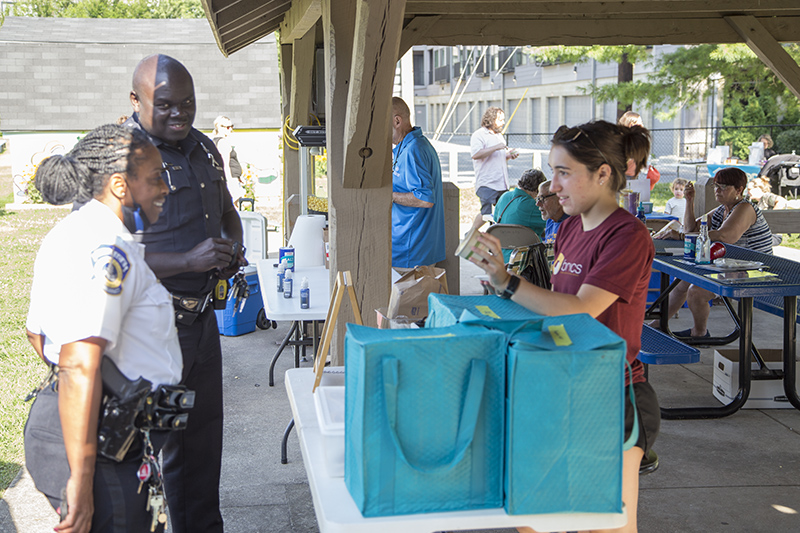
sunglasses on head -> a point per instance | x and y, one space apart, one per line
564 131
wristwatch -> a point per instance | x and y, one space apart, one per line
511 288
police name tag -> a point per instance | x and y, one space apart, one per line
111 265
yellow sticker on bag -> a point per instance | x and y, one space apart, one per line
559 334
487 311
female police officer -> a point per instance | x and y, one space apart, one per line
93 295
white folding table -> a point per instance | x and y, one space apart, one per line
280 309
337 512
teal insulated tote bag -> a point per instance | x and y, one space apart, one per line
424 419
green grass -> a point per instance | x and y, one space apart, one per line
20 368
659 196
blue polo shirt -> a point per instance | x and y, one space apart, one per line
417 232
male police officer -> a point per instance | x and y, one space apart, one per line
189 248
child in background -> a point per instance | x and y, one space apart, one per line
676 205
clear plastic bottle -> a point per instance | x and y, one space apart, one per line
304 294
703 247
640 213
287 284
281 272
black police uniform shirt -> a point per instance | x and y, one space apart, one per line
197 201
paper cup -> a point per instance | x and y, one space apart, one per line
469 241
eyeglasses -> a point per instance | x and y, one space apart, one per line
229 126
541 199
564 129
721 186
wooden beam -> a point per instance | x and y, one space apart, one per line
414 31
291 158
452 236
625 8
302 74
301 17
368 154
359 219
782 220
768 50
525 30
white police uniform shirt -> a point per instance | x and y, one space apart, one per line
90 279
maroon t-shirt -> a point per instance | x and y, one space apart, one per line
617 257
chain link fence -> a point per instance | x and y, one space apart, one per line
676 152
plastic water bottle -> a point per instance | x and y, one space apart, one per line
703 246
281 272
640 213
304 294
287 283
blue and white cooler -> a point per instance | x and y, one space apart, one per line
232 321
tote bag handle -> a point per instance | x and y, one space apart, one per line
467 421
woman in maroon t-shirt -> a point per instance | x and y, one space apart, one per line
602 265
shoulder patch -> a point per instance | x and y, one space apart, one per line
111 266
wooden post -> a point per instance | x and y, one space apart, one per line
367 127
291 158
359 219
302 74
452 235
704 200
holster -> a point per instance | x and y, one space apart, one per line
129 407
188 308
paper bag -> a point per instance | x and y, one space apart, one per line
410 293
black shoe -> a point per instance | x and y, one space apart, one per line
687 333
649 463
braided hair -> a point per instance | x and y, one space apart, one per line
83 172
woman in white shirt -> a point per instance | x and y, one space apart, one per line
93 296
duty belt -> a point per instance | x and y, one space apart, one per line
188 308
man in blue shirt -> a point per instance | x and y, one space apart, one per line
417 199
552 212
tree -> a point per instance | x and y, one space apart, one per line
751 93
138 9
625 56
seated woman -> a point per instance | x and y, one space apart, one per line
518 206
736 222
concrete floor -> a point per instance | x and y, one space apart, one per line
740 473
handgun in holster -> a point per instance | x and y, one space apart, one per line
129 407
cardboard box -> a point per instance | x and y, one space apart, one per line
764 394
